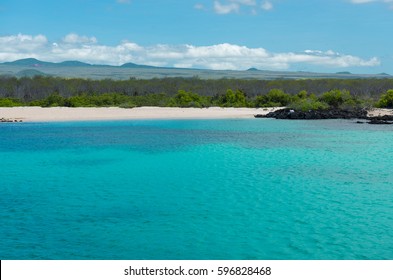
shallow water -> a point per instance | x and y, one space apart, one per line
196 189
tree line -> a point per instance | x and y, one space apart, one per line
194 92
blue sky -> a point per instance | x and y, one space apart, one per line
294 35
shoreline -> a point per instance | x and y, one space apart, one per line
64 114
373 116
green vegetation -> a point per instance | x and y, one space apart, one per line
337 98
188 99
305 102
386 100
10 102
308 104
301 95
103 100
185 99
232 99
274 98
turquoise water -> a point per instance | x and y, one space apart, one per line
196 189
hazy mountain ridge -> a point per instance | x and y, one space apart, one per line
32 62
76 69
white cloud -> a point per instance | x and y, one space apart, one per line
221 56
226 8
22 42
245 2
267 5
73 38
234 6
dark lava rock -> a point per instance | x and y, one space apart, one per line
316 114
381 120
4 120
290 114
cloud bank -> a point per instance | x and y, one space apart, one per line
388 2
218 57
224 7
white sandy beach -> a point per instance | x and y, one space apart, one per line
38 114
54 114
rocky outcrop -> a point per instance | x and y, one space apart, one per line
316 114
379 122
386 119
290 114
6 120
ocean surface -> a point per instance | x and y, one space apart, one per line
196 189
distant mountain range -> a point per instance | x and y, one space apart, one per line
32 62
30 67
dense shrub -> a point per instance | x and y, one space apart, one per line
386 100
10 102
160 99
188 99
336 98
274 98
53 100
232 99
308 104
127 105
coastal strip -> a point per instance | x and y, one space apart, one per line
61 114
374 116
9 120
